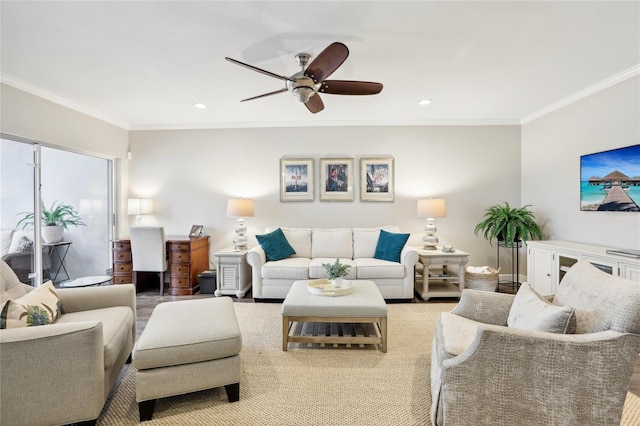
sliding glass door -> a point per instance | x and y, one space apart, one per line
17 192
79 187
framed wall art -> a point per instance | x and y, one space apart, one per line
336 179
610 180
296 179
376 179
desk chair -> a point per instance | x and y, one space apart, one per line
148 252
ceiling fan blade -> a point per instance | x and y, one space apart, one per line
327 62
314 104
260 70
349 87
266 94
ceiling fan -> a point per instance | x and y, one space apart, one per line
307 84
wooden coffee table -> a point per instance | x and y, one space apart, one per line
365 305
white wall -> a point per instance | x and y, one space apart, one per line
191 174
551 149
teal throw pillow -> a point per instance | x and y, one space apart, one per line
390 246
275 245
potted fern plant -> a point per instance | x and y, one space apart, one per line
335 272
55 220
508 224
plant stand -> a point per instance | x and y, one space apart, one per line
515 265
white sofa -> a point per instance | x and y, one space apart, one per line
314 246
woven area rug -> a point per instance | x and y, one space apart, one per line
306 386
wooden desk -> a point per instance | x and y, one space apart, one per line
187 258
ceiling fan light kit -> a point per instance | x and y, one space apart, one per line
306 84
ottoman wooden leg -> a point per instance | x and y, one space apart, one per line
233 392
145 408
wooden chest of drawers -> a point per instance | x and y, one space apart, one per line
187 258
122 266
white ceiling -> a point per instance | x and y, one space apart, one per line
142 65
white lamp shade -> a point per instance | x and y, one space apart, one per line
138 206
240 207
432 207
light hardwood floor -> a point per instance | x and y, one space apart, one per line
148 299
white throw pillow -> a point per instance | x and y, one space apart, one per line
39 307
5 240
530 311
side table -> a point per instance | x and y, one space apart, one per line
233 272
439 275
57 250
90 281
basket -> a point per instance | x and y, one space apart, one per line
484 282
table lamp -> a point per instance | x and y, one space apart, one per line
431 208
240 208
138 207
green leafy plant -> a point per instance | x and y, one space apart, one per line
508 224
61 214
336 269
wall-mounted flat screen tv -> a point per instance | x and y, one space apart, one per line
610 180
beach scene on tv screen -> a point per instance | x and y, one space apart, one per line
610 180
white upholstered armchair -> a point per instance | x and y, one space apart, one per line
484 372
63 372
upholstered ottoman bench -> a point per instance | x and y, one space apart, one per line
187 346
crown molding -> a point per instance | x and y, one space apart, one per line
598 87
46 95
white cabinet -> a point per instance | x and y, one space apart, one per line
630 271
548 261
233 272
540 266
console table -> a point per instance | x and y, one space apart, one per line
188 257
438 279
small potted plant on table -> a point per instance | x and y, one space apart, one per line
55 220
335 272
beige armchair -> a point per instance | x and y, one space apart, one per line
485 373
62 373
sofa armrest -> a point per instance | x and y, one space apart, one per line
256 257
484 306
89 298
532 369
409 256
67 357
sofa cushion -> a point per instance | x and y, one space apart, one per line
10 285
295 268
390 246
458 333
5 240
530 311
366 239
299 238
317 271
17 236
370 268
39 307
275 245
332 243
117 322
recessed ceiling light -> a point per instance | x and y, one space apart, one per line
199 105
424 102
